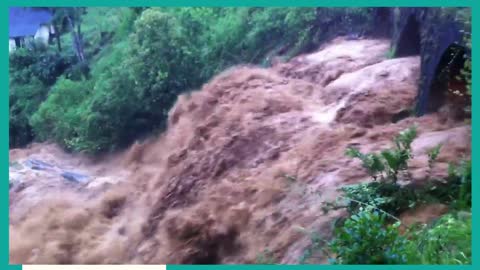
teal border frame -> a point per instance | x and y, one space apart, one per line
4 111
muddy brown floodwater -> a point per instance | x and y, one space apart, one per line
212 188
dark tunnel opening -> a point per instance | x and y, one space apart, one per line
449 84
409 42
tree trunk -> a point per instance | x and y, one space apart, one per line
80 40
79 30
57 36
77 43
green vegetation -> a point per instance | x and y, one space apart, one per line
24 101
466 72
370 235
391 53
365 238
390 162
61 115
447 241
130 64
368 238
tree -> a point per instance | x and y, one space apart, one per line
72 17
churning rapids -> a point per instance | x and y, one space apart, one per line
212 188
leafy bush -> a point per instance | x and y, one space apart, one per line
389 162
135 86
394 198
455 190
385 195
132 91
32 71
366 239
24 100
389 197
460 184
62 115
113 111
446 241
162 73
45 64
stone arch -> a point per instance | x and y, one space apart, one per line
409 40
448 76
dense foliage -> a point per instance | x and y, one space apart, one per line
371 235
390 162
365 239
24 101
131 64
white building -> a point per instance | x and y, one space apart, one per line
28 24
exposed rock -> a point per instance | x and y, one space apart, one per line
75 177
35 164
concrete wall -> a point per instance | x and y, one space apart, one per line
42 35
11 45
438 30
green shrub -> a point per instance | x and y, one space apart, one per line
455 190
31 72
386 195
20 62
460 184
77 72
394 198
135 85
387 164
24 100
45 64
365 238
133 89
62 116
114 116
446 241
162 73
389 197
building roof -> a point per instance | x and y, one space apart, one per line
26 21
